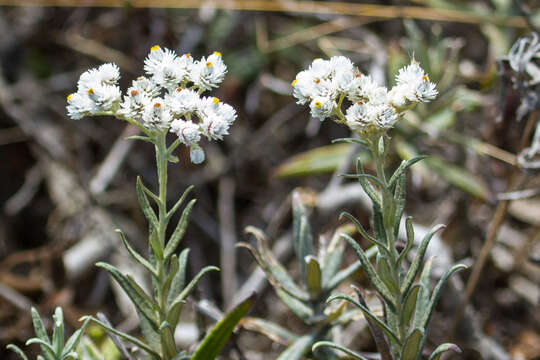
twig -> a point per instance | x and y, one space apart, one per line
228 240
309 7
26 193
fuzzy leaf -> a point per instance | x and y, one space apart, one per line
215 340
140 259
155 246
125 337
298 349
41 333
167 339
368 314
405 164
423 296
176 305
374 278
409 304
302 238
342 275
384 269
179 280
331 345
441 349
418 259
399 199
17 350
180 201
412 348
147 210
313 276
173 270
141 301
58 331
179 231
298 307
364 233
410 240
43 344
74 339
366 185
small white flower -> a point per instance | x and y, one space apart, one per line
321 107
209 72
303 87
320 69
339 64
145 86
166 68
156 115
188 132
183 101
109 74
196 154
227 112
414 84
215 127
80 105
367 118
134 103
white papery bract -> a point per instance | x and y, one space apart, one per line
374 109
169 98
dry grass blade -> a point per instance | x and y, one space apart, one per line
337 8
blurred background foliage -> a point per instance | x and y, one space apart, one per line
66 185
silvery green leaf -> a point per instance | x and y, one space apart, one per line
384 269
276 273
313 276
352 140
71 355
155 246
41 333
399 200
441 349
58 331
44 345
405 164
141 301
368 314
173 270
378 225
423 296
410 240
140 259
298 307
302 238
115 339
182 355
149 332
378 335
167 339
298 349
373 277
179 231
418 259
180 201
321 344
366 185
215 340
17 350
409 304
412 348
176 305
179 280
364 233
74 339
271 330
125 337
145 205
138 137
331 263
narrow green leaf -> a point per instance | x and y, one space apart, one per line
167 340
74 339
384 269
149 332
276 273
180 201
179 280
351 140
298 349
138 137
368 314
155 245
423 296
17 350
399 199
441 349
215 340
271 330
418 259
313 276
141 301
173 270
331 345
43 344
39 328
342 275
410 241
179 231
331 264
364 233
140 259
125 337
405 164
58 331
302 238
412 348
145 204
174 309
297 306
409 304
370 272
378 224
366 185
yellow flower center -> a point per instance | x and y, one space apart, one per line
318 104
157 105
425 78
317 80
294 82
155 47
178 89
188 55
69 97
217 53
90 91
216 100
208 64
134 92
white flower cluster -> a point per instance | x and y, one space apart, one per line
168 99
326 83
